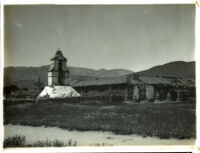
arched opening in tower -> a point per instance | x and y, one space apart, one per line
60 74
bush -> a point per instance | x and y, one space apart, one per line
19 141
16 141
48 143
53 143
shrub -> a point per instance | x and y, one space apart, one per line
15 141
53 143
48 143
19 141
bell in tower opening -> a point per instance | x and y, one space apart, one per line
58 73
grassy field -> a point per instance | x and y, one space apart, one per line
164 120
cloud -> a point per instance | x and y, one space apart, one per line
59 31
18 25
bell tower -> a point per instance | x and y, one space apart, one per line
58 73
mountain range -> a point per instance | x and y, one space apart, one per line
29 76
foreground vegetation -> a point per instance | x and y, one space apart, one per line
20 141
164 120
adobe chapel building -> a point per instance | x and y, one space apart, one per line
131 87
137 88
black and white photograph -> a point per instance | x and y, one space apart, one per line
99 75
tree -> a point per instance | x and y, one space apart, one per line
8 89
39 83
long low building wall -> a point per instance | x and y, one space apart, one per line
141 92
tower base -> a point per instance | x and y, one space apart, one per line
58 92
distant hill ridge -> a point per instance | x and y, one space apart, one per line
185 70
28 76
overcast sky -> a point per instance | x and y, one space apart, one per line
134 37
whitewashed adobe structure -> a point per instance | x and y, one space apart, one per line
58 73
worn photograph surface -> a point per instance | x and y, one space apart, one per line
99 75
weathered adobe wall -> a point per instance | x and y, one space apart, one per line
120 89
149 92
137 93
153 93
162 92
174 93
192 93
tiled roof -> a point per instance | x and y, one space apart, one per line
99 81
124 80
156 80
